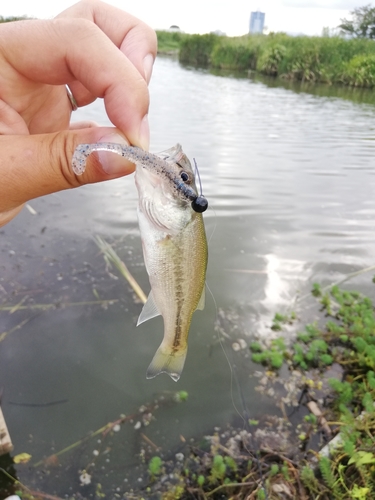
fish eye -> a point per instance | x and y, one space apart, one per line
200 204
184 176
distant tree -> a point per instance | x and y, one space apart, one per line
362 24
11 19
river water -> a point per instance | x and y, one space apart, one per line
289 174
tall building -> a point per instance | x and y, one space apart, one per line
257 22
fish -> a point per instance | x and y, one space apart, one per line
175 254
173 240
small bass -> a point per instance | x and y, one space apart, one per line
174 244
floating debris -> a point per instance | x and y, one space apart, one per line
31 209
85 478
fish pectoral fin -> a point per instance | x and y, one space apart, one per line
167 361
150 310
202 300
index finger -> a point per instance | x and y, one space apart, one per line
132 36
69 49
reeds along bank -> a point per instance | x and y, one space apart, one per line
319 59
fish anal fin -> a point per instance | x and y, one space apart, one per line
167 361
150 310
202 300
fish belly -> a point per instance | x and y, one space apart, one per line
176 265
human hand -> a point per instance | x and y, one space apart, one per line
100 51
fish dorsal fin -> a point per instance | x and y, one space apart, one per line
202 300
150 310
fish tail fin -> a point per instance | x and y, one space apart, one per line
167 361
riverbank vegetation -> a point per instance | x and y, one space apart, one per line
315 59
320 446
325 453
169 41
12 18
318 443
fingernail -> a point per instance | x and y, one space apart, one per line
144 133
148 63
112 163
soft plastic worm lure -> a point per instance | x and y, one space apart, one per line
145 159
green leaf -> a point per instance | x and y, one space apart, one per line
154 466
256 347
360 493
362 458
182 395
200 481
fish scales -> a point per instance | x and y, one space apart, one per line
175 253
173 240
179 284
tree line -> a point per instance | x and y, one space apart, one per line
361 24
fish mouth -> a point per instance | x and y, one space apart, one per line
186 192
175 156
198 203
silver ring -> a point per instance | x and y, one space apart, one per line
72 100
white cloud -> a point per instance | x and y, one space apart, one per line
323 4
202 16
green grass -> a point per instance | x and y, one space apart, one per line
316 59
348 339
344 334
197 49
169 41
13 18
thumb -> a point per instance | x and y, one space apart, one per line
36 165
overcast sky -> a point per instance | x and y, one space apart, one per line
202 16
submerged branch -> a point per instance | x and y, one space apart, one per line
341 281
144 410
26 490
54 305
111 257
4 335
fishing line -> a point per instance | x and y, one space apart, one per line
214 228
245 413
232 368
39 405
198 175
244 416
225 353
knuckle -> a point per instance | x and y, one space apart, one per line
75 28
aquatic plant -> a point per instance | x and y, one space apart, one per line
305 354
315 59
218 469
181 396
360 71
273 357
236 53
197 49
227 464
169 41
200 480
326 471
155 466
348 338
270 59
